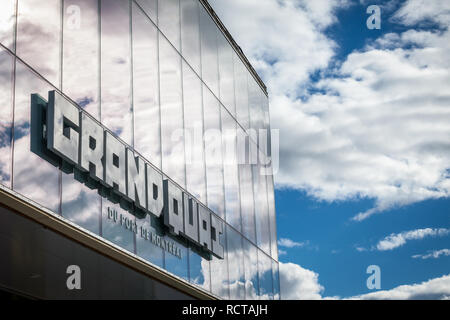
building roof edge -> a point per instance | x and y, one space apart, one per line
234 44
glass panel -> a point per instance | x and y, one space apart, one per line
261 209
255 104
6 116
213 153
246 187
118 225
80 78
266 116
193 124
276 280
116 111
272 217
80 81
80 204
173 160
38 36
226 73
210 67
7 21
230 170
199 270
266 124
265 276
235 265
169 20
190 33
251 271
145 247
147 126
150 7
40 185
241 91
219 273
174 264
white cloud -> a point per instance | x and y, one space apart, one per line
378 126
321 12
297 283
397 240
282 252
434 254
417 11
282 39
288 243
434 289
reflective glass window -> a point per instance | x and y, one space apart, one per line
246 186
265 126
7 22
147 126
261 209
265 276
6 116
172 135
251 270
80 81
169 20
80 204
241 92
226 74
235 264
38 36
175 264
193 124
118 225
116 113
80 72
210 64
148 228
255 104
150 7
230 170
219 272
40 185
199 269
213 153
190 33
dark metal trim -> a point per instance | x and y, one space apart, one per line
234 44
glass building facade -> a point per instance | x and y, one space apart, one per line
167 80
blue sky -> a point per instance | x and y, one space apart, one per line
364 141
329 236
331 240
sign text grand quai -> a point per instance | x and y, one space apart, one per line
82 142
